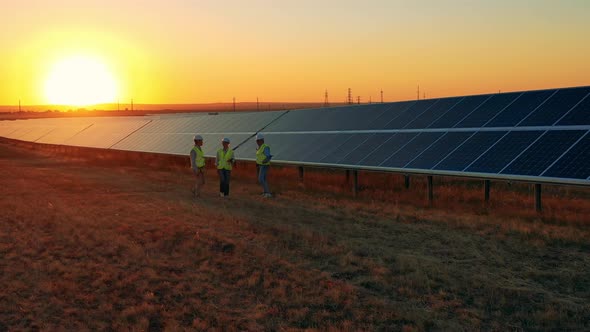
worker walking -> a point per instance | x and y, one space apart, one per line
198 165
224 162
263 157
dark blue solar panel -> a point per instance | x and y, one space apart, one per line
488 110
433 113
277 142
388 148
575 164
298 120
394 110
543 153
411 150
330 118
556 107
459 159
291 146
521 107
323 144
335 155
439 150
365 149
355 117
579 116
466 106
410 114
504 152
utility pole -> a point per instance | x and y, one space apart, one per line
418 93
381 96
358 99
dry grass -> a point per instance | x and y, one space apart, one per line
125 248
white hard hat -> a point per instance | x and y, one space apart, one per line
225 139
198 138
259 136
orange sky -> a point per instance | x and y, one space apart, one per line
182 51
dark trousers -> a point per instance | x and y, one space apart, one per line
224 177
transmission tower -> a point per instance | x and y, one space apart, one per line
326 102
381 96
349 96
358 99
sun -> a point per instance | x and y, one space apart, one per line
80 81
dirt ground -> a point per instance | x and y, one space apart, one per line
92 246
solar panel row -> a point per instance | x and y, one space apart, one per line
520 153
534 134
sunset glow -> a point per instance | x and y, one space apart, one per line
80 81
209 51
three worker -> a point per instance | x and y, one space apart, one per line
224 161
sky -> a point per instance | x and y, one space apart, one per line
181 51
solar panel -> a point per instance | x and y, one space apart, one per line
387 149
411 150
433 113
552 110
535 159
578 116
522 106
340 151
503 152
104 133
410 114
393 111
439 150
365 149
490 108
324 143
470 150
459 111
575 163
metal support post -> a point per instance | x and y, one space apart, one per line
538 202
486 190
355 183
430 191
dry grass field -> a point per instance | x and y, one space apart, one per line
95 245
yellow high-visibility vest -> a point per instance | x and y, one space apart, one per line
260 156
223 159
200 157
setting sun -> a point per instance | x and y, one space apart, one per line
80 81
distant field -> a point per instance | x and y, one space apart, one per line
48 111
88 244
